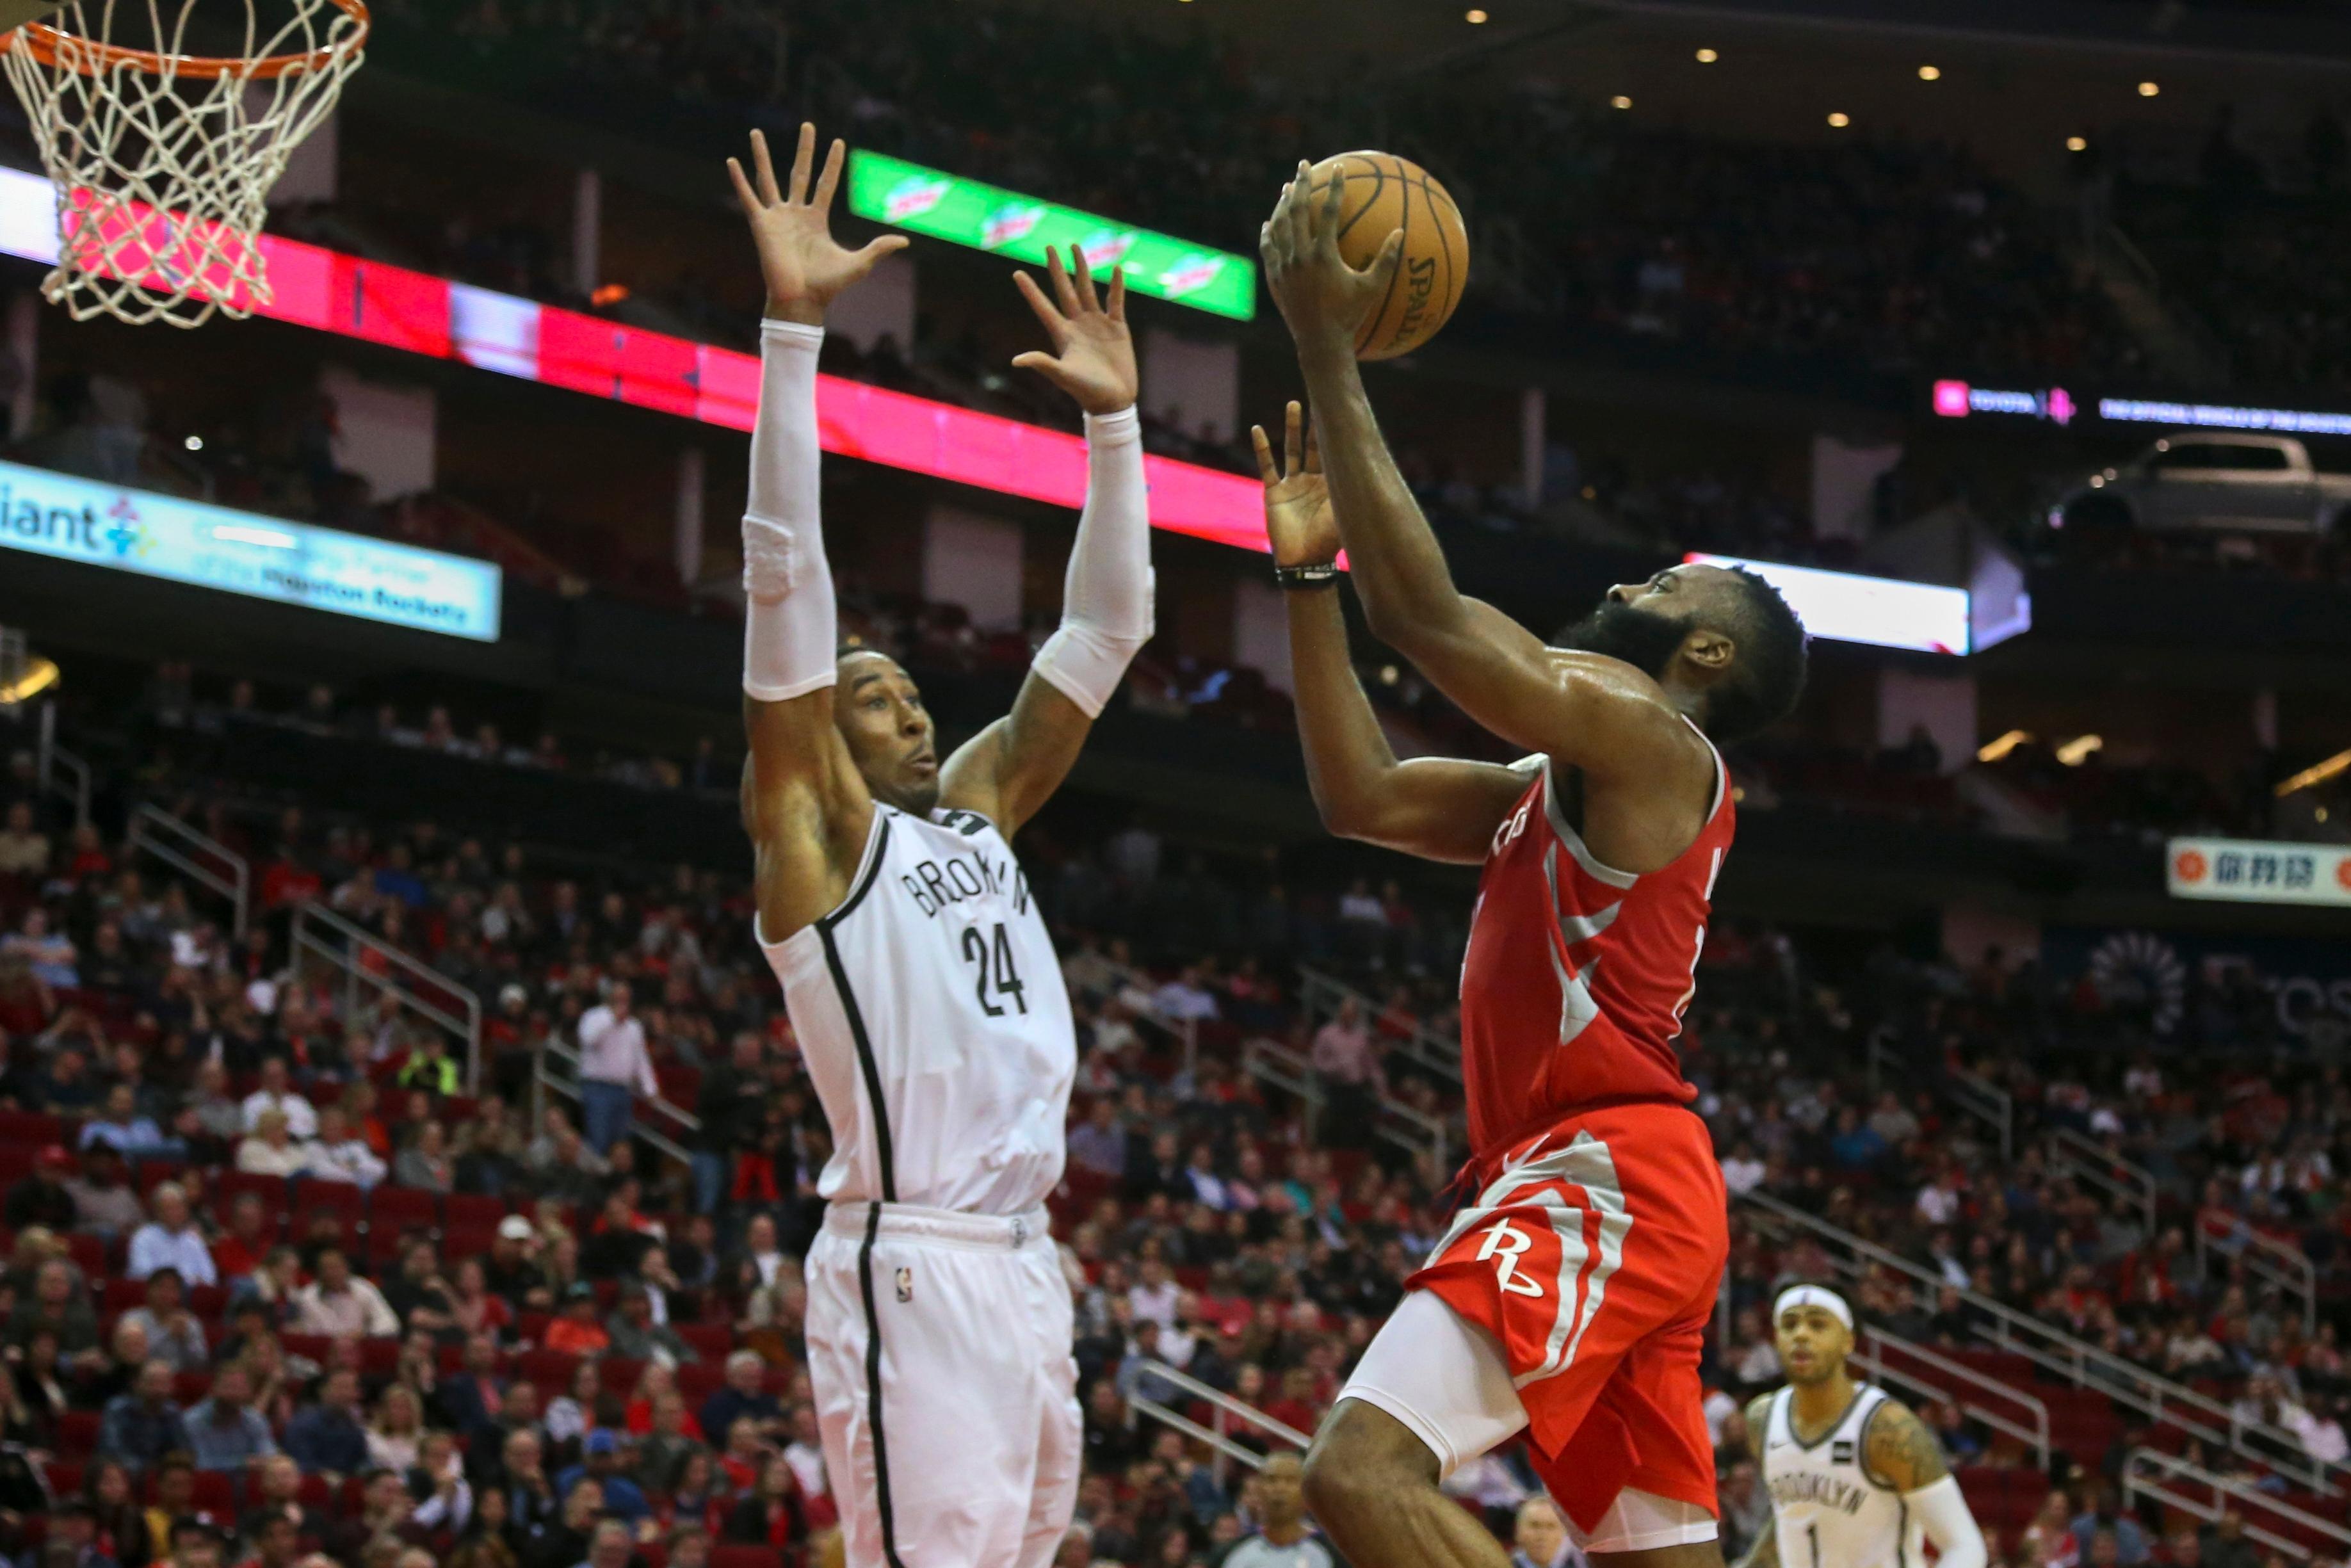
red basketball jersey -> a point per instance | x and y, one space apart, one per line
1577 973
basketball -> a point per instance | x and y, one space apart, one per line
1384 193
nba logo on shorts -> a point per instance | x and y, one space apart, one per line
1509 1243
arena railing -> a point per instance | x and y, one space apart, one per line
1988 1102
680 1122
1223 1411
2275 1262
197 856
2194 1490
1421 1136
2033 1432
60 771
1323 995
2076 1153
2085 1365
382 984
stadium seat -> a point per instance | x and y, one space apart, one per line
402 1208
737 1556
472 1210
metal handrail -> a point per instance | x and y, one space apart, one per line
465 1023
1422 1045
2083 1363
2037 1434
2281 1263
2171 1468
2076 1154
1286 1069
1223 1404
1981 1098
569 1087
53 758
1882 1057
151 826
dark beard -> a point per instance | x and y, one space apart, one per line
1646 641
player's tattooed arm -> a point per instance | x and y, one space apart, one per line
1440 808
1899 1449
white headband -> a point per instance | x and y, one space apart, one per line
1819 1296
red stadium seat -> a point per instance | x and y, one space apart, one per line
216 1493
399 1208
735 1556
32 1129
78 1433
711 1342
121 1295
621 1374
89 1253
472 1208
340 1197
550 1369
277 1193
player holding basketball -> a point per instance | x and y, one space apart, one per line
1570 1297
917 970
1856 1479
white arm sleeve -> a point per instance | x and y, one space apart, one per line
1106 612
789 625
1944 1512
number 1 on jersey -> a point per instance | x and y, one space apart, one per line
1814 1531
993 959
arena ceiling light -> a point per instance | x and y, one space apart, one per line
1708 56
1994 750
2149 89
1004 223
1930 73
2316 773
1839 119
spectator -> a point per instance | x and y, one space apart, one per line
270 1148
171 1241
603 1460
277 1093
326 1438
140 1426
339 1304
429 1067
472 1398
613 1067
103 1201
172 1333
120 1127
576 1331
395 1439
225 1432
341 1154
425 1163
41 1198
771 1514
744 1395
1099 1144
1282 1538
2107 1514
633 1334
1354 1082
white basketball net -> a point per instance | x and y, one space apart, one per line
161 161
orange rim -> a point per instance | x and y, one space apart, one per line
91 59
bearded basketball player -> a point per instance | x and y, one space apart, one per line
1856 1479
916 969
1569 1298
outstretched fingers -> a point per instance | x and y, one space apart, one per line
1089 302
1267 474
764 166
829 180
1057 328
803 160
1117 308
1291 419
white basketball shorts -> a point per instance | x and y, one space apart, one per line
939 1352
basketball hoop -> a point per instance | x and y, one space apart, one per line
162 160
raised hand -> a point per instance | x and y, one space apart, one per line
1298 517
805 268
1324 300
1093 354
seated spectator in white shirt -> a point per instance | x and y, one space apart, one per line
341 1154
1099 1144
171 1241
277 1093
271 1150
119 1126
1154 1294
1743 1171
339 1304
1184 997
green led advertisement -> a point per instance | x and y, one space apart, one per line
945 206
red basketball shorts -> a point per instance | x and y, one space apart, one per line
1594 1258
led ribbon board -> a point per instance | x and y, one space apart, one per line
66 518
331 292
965 212
1882 611
2251 871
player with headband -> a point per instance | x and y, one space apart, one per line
1856 1479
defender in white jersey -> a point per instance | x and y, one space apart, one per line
918 973
1856 1480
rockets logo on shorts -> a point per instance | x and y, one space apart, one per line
1508 1243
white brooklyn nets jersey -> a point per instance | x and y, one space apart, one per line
1828 1511
931 1013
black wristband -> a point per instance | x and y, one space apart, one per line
1295 579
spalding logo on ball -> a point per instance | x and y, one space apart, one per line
1384 193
